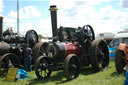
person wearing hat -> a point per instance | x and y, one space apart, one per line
27 51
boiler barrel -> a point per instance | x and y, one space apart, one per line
58 49
4 47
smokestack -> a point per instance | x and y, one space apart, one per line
54 20
1 27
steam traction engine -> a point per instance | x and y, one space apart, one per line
10 43
79 50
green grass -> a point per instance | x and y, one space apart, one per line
87 77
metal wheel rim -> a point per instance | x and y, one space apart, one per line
31 38
72 67
102 56
8 60
42 70
38 50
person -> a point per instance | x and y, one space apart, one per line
27 51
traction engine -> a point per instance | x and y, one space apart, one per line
10 45
70 50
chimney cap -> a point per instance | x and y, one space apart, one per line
53 8
1 17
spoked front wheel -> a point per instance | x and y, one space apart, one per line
71 67
42 67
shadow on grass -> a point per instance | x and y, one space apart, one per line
117 74
59 77
83 71
87 71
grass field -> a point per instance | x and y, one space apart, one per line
87 77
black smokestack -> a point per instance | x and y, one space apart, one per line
54 20
1 27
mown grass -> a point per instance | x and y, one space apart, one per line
87 77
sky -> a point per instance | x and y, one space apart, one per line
102 15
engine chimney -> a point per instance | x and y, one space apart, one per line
1 27
54 20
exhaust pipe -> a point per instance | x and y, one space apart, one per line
54 21
1 28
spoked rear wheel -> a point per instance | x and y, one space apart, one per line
120 61
71 67
39 50
42 67
99 55
31 38
8 60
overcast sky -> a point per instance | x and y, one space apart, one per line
102 15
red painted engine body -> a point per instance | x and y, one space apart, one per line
72 48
